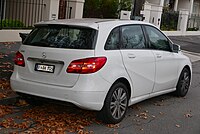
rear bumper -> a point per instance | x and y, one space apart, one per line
88 93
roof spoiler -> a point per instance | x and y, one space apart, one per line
23 36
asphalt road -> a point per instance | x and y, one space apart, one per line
188 43
165 114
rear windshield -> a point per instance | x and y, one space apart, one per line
62 37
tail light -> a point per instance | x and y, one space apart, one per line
86 66
19 59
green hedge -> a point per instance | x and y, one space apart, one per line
12 24
193 29
169 20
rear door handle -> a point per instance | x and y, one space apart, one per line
158 56
131 56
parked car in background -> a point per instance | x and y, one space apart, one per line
102 65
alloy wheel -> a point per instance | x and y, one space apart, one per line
185 82
118 103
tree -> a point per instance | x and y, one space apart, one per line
125 5
105 8
91 9
109 8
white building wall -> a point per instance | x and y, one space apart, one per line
196 7
184 4
77 8
154 1
51 9
152 13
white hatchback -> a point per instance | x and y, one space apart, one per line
103 65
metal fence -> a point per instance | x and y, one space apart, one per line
193 22
169 21
20 13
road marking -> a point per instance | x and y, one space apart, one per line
193 56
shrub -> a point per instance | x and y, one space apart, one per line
12 24
169 20
193 29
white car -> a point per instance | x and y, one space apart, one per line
102 65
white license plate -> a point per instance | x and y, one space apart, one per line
44 68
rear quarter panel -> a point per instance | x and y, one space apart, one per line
114 67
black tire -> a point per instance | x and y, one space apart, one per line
115 112
183 83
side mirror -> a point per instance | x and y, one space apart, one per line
23 36
176 48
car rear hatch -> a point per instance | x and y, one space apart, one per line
49 50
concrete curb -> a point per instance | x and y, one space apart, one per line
192 53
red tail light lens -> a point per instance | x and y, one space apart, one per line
86 66
19 59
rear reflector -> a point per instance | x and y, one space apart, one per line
86 66
19 59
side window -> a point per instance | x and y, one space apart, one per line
157 40
112 42
132 37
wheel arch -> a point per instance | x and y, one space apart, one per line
181 69
188 67
185 66
181 92
106 113
185 63
126 82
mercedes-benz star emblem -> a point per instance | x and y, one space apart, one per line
44 55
